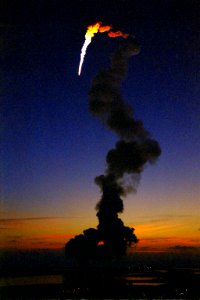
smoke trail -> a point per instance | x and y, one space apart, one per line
135 149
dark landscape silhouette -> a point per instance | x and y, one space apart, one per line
46 274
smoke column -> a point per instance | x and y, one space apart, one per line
134 150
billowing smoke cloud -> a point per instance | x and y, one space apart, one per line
135 149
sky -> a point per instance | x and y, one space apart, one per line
52 148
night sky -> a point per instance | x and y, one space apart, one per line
53 147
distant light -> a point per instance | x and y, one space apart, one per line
100 243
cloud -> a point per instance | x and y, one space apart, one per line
35 232
157 228
168 217
13 241
16 236
50 236
35 242
13 222
182 248
168 244
2 221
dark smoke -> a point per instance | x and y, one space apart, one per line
131 154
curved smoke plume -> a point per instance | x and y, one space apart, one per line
135 149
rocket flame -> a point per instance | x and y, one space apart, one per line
105 28
115 34
91 31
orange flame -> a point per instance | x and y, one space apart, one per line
91 31
115 34
100 243
105 28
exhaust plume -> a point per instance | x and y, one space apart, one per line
125 162
135 149
91 31
113 34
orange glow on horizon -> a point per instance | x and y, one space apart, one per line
51 241
166 244
35 233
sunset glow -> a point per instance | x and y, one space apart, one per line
52 233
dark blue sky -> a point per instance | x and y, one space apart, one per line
52 147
